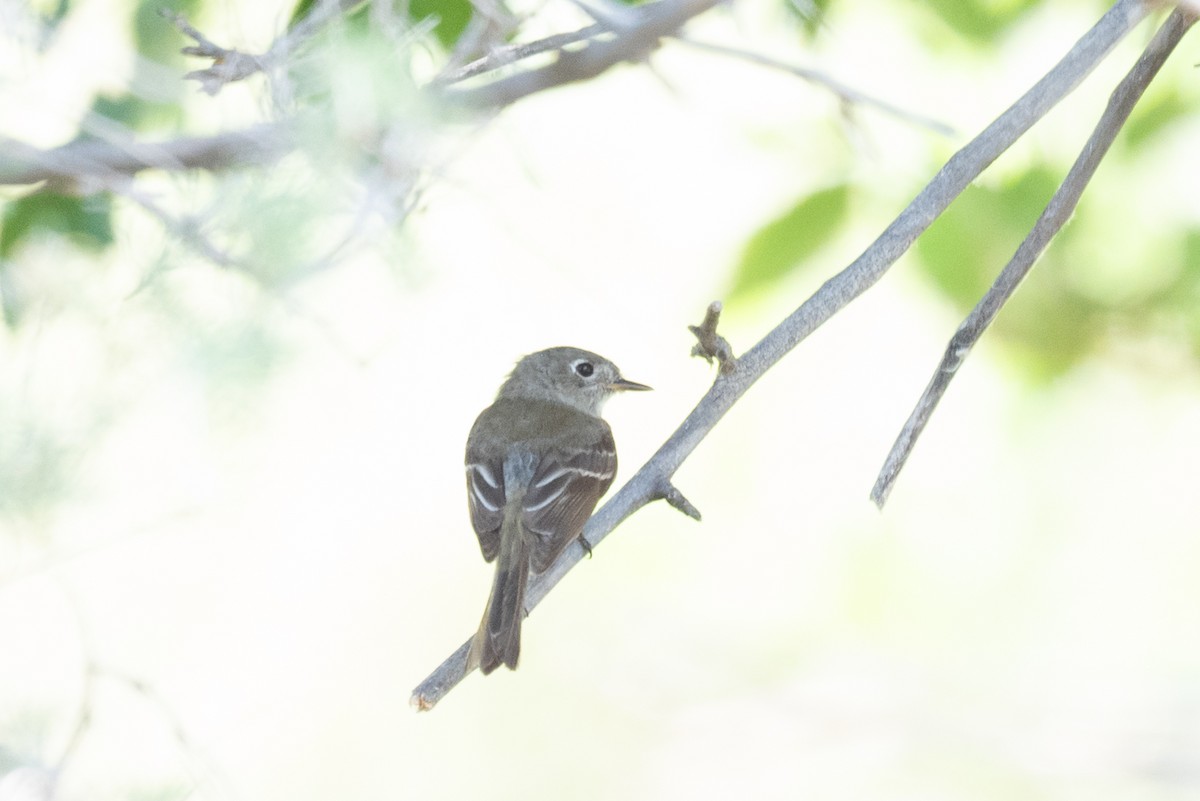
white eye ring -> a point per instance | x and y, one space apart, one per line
583 368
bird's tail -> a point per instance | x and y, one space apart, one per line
499 637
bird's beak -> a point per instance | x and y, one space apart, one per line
624 385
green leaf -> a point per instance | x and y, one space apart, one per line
1183 299
452 16
981 20
1154 113
51 15
781 246
85 220
159 43
155 36
966 247
810 13
1047 325
300 11
354 14
134 112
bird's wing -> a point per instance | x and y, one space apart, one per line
564 490
485 496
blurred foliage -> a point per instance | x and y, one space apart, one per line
50 14
1078 293
85 221
37 466
1162 106
980 20
357 83
452 16
781 246
964 248
810 13
157 43
157 39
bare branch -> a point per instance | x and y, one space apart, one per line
834 295
490 25
188 230
91 158
657 21
504 56
1057 212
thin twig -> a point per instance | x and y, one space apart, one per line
187 230
844 93
834 295
610 14
1057 212
658 20
504 56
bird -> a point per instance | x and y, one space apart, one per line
538 460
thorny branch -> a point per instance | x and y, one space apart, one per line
1057 212
647 484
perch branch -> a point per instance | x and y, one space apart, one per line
833 295
1053 218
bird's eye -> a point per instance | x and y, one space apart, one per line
584 369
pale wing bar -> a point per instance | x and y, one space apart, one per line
562 495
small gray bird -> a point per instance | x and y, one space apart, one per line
538 461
